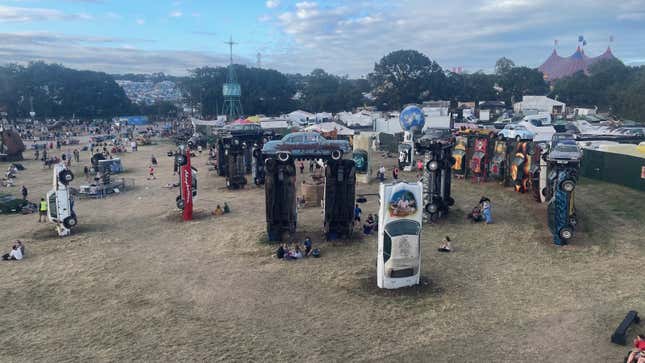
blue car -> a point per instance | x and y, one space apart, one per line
516 132
561 210
306 145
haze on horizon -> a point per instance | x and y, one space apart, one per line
344 38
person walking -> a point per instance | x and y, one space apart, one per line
302 167
151 173
24 192
77 155
42 210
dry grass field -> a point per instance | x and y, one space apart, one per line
135 283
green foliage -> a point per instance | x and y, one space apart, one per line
406 76
325 92
611 86
519 81
503 66
264 91
57 91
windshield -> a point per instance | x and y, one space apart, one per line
402 227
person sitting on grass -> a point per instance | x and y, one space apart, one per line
218 211
227 209
445 245
14 255
476 215
297 253
369 225
307 245
638 354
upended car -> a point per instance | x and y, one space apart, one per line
304 145
561 209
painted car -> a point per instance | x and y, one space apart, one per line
561 210
459 154
497 168
520 167
516 132
398 260
479 159
300 145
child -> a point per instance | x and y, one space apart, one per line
151 172
445 245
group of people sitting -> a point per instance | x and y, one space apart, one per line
17 252
482 211
371 224
285 251
220 211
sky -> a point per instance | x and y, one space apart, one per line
342 37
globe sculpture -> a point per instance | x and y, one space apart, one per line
412 118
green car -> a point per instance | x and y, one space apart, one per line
11 204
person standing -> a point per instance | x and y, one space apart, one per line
486 208
302 167
77 155
395 173
24 192
311 166
419 165
357 214
42 210
151 173
381 172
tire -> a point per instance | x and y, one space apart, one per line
566 233
518 138
501 137
70 222
431 208
450 201
181 160
432 166
568 185
283 156
65 177
180 203
336 154
544 190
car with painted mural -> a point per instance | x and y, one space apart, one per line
497 168
520 167
479 159
399 242
561 210
516 132
459 154
305 145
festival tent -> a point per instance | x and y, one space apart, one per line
556 67
328 127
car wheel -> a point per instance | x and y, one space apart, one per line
432 165
568 185
70 222
450 201
181 160
336 154
283 156
431 208
518 138
65 177
566 233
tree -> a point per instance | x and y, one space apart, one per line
503 66
520 81
406 76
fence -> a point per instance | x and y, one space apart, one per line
614 168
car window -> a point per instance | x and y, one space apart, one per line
387 247
312 138
402 227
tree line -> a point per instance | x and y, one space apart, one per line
397 79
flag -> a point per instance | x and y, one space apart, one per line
580 38
555 42
584 42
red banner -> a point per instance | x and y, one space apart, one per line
187 188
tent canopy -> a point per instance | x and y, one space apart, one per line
326 127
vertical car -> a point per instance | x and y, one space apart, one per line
561 210
459 153
399 240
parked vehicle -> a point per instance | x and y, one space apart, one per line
561 210
11 204
516 132
564 152
301 145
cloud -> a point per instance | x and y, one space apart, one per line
271 4
176 14
140 21
111 55
23 15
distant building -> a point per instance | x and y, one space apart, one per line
556 67
539 104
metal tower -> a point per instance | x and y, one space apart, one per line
232 90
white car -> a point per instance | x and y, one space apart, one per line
59 201
516 132
398 261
